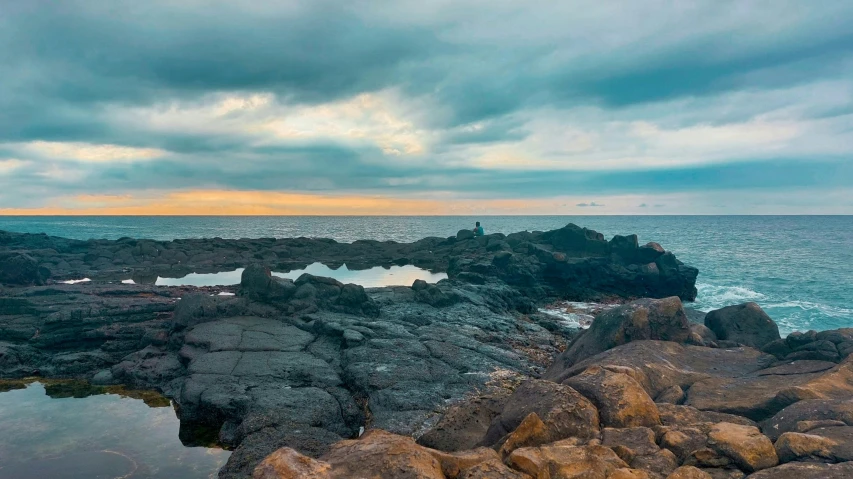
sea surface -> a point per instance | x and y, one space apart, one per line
798 268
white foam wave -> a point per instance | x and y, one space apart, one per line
712 296
76 281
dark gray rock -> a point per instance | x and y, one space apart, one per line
746 324
21 269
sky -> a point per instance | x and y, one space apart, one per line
426 107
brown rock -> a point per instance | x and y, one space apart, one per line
464 425
787 420
491 469
564 411
793 446
624 452
671 395
706 457
806 426
659 319
745 445
674 415
804 470
566 462
382 455
641 440
684 440
286 463
688 472
530 433
724 473
453 463
659 365
621 401
662 462
629 474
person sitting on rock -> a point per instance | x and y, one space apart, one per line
478 230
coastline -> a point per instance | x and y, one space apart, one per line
306 364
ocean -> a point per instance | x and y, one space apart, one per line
798 268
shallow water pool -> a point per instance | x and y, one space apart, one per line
369 278
104 436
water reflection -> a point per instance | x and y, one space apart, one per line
369 278
71 430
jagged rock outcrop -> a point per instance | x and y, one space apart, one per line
572 262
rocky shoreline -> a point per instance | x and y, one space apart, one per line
490 386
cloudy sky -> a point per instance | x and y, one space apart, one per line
426 107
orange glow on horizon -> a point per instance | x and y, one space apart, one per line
267 203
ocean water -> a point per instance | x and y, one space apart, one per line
798 268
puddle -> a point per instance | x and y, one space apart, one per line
369 278
61 431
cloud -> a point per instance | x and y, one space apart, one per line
591 204
643 205
483 101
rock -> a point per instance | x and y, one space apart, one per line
724 473
788 419
531 432
20 269
649 252
621 401
453 464
566 462
745 445
746 323
674 415
491 469
671 395
688 472
660 463
683 441
462 235
286 463
629 474
564 412
659 319
793 446
385 455
778 348
806 471
464 425
641 440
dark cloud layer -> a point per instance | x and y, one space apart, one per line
478 75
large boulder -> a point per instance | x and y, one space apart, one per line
745 324
745 445
621 401
464 425
564 411
384 455
658 319
798 416
20 269
569 462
